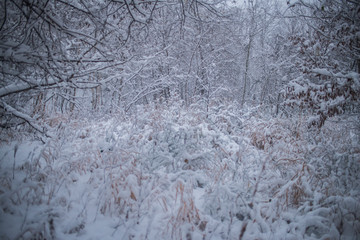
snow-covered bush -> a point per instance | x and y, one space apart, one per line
176 173
332 97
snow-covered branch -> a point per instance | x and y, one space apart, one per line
21 87
325 72
27 118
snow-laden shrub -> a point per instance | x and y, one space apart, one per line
172 173
324 100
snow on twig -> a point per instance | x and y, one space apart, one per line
28 119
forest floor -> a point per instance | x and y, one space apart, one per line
176 173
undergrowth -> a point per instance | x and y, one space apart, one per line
171 172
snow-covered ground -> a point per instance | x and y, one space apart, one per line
183 174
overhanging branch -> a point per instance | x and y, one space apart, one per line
26 118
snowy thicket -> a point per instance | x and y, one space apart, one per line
170 172
177 119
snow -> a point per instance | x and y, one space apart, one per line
18 87
171 176
326 72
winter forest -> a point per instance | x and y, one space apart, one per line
180 119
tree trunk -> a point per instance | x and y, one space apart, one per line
247 63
